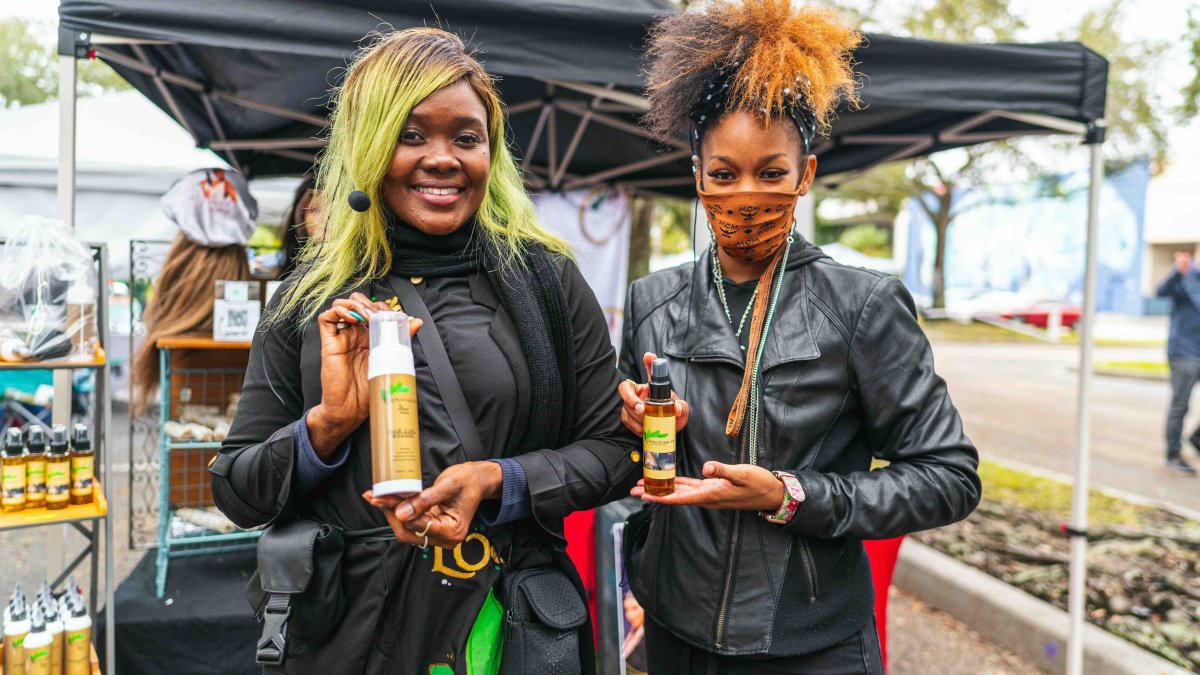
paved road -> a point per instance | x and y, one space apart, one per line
1018 402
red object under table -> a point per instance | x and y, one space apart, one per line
581 548
883 554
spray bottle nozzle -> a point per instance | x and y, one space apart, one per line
36 439
660 380
79 438
58 439
14 441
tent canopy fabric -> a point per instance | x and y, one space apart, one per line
251 81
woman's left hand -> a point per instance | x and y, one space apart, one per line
443 511
725 486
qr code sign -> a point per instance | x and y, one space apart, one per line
235 321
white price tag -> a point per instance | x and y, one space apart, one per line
237 291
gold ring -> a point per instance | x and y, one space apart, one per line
425 532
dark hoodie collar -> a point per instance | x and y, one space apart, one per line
701 330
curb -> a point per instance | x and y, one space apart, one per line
1033 629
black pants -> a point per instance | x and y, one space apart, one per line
668 655
1185 371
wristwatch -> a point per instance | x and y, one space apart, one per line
793 495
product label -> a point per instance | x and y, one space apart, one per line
395 438
13 484
14 653
81 476
35 479
58 480
37 661
78 651
658 447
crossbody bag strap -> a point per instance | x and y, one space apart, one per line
439 366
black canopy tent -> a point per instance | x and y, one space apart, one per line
251 80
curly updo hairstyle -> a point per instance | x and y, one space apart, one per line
769 55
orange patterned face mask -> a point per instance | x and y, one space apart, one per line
750 226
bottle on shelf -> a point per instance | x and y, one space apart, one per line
35 467
16 628
38 643
12 481
58 469
54 626
82 465
78 631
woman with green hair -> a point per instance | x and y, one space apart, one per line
420 192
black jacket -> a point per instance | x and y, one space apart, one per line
283 382
847 376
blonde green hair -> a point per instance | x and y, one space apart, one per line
382 86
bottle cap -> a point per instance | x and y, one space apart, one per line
79 438
17 610
37 619
391 345
660 381
14 442
58 440
36 439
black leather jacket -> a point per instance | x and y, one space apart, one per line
847 376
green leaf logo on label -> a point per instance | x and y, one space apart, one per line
56 474
18 643
75 638
650 435
397 388
39 655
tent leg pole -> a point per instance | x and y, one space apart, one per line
1077 600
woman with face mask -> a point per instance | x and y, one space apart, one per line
421 204
793 372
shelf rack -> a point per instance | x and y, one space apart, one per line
87 519
185 483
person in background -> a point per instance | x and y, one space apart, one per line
1183 354
298 223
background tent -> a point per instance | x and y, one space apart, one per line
249 80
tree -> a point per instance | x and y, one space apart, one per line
29 66
932 180
1191 93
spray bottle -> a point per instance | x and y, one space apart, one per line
78 630
392 387
82 465
658 433
13 481
16 628
38 644
58 469
35 468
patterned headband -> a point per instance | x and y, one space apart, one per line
714 102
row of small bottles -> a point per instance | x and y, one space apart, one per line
51 638
34 478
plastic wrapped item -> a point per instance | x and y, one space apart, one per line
47 294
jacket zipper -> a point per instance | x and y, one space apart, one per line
731 563
808 570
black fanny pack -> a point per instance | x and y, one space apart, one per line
543 618
297 590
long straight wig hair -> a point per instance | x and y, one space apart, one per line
382 86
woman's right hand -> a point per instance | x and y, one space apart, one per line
634 396
344 398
